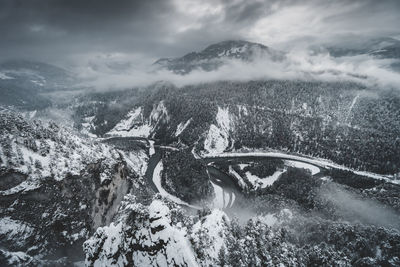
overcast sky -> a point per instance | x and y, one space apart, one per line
71 31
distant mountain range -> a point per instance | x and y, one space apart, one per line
213 57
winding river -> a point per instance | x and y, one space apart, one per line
226 184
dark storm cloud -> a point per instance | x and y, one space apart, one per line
78 30
75 26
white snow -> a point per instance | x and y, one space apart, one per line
216 141
16 231
243 110
169 242
137 160
151 148
302 165
265 181
323 163
134 116
157 181
351 107
239 178
223 119
135 125
177 250
137 131
182 126
63 153
159 112
87 125
215 227
257 182
16 258
132 125
218 136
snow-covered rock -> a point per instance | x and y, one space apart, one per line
136 125
143 236
218 137
208 236
182 126
40 150
56 188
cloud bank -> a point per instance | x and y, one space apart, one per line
114 73
69 32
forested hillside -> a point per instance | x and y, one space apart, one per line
345 122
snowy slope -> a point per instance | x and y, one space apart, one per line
263 182
159 234
150 238
209 235
41 150
132 125
135 125
57 187
218 136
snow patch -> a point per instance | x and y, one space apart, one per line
239 178
135 125
218 136
302 165
136 160
15 231
152 151
215 227
264 182
132 125
323 163
182 126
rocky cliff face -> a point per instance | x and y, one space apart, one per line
56 189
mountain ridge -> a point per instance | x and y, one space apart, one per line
212 57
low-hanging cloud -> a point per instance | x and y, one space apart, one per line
107 74
353 208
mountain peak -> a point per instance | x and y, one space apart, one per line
212 57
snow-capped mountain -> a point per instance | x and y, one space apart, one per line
215 56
